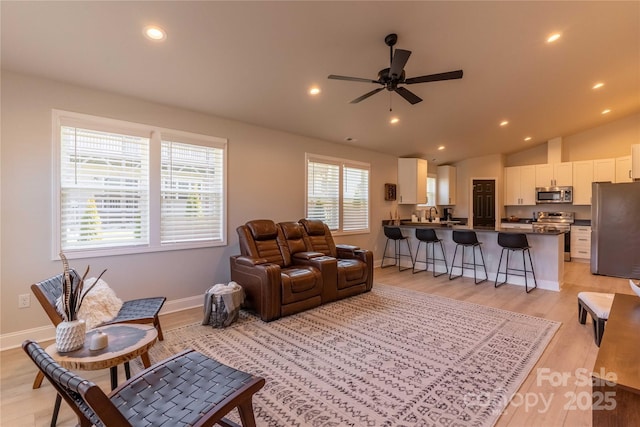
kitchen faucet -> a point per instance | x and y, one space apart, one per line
430 216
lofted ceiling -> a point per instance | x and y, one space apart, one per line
255 61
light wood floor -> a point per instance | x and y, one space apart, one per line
544 399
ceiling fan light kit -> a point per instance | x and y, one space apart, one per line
390 78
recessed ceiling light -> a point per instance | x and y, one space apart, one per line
504 123
528 138
553 37
154 33
441 147
607 111
394 120
598 85
314 90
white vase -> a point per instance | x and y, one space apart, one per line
70 336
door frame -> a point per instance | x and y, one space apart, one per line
499 195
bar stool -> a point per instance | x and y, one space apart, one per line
429 237
394 233
511 242
467 238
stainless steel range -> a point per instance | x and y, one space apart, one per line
554 222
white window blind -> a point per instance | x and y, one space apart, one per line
192 192
104 189
431 191
323 193
355 199
338 193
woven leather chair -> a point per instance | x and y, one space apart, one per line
143 310
355 265
274 285
187 389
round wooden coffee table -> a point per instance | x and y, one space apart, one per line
125 343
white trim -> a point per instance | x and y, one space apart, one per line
47 333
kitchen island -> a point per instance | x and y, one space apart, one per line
547 253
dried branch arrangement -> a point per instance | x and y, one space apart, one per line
72 296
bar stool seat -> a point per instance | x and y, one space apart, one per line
395 234
467 239
598 305
512 242
429 238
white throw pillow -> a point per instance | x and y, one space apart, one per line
100 305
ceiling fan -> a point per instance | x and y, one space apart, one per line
390 78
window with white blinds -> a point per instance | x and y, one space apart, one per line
104 183
192 193
126 188
338 193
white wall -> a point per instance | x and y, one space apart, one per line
266 180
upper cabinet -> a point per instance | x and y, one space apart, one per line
604 170
554 175
635 161
520 185
623 169
412 181
582 179
446 185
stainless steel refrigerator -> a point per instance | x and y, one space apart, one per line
615 229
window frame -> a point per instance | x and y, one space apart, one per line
155 134
431 203
341 163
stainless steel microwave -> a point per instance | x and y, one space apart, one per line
554 195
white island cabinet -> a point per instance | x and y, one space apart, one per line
547 253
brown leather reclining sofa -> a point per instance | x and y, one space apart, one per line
290 267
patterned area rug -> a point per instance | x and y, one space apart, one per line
391 357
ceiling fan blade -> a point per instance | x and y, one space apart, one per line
352 79
450 75
400 58
408 95
366 95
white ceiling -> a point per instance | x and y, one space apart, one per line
254 62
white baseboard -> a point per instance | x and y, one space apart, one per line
46 333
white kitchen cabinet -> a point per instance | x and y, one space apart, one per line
635 161
582 179
623 169
412 181
446 185
520 185
581 242
604 170
554 174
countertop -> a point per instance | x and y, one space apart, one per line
436 225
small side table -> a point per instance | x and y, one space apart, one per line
126 342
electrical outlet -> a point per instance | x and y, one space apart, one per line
24 300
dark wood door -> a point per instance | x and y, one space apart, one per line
484 203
